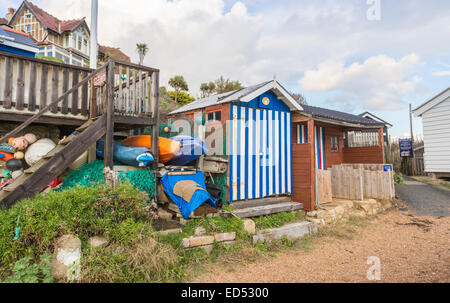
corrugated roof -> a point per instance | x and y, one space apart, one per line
18 37
219 99
336 115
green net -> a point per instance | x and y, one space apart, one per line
143 179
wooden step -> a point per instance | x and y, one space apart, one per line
36 166
268 209
85 126
260 202
54 151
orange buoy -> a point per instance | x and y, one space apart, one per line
167 148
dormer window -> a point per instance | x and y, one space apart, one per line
27 16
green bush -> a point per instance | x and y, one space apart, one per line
398 178
81 211
25 271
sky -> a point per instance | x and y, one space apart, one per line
348 55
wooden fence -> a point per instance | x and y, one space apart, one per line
28 85
362 181
324 184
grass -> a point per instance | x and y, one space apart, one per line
277 220
135 252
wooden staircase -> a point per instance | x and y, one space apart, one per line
38 176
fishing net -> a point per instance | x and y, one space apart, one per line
143 179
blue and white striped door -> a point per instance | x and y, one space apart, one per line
261 153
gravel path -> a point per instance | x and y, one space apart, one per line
410 248
424 199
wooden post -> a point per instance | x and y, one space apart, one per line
313 165
109 136
155 110
381 143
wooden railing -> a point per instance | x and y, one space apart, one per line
135 91
28 85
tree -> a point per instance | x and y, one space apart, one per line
225 85
207 89
299 98
182 98
142 50
179 84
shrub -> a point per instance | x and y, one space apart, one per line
82 211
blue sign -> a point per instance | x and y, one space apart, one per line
406 148
388 167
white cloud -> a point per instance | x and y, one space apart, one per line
201 40
442 74
380 82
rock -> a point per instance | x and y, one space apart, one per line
292 231
198 241
66 258
250 226
200 231
311 213
163 214
224 237
97 242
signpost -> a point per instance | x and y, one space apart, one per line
406 148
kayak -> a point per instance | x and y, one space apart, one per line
168 149
133 156
191 149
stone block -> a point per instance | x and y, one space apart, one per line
250 226
292 231
224 237
200 231
66 258
198 241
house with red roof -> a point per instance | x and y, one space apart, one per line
68 40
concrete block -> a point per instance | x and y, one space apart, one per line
292 231
250 226
198 241
224 237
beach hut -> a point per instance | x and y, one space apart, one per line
257 132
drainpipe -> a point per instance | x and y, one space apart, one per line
94 43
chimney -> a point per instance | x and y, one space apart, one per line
10 14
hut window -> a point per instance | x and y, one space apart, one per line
215 116
334 144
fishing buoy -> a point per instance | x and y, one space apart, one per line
6 174
166 129
38 150
19 155
10 140
31 138
20 143
14 165
6 157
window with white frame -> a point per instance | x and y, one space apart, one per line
335 144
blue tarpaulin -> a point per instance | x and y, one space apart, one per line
199 197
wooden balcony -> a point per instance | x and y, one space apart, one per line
28 85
